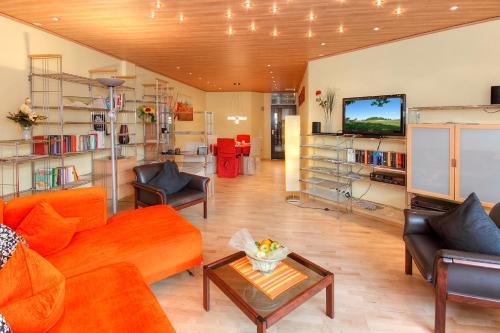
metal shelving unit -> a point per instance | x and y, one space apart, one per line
328 175
50 88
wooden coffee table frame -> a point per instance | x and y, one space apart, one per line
263 323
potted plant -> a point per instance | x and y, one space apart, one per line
26 118
327 103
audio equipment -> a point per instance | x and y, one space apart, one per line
389 178
316 127
495 95
437 205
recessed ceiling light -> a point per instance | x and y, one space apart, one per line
158 4
268 65
311 16
270 72
341 28
248 4
323 44
178 67
376 29
229 15
153 14
190 73
38 24
398 11
252 26
230 31
274 8
55 18
379 3
275 32
455 7
181 17
309 34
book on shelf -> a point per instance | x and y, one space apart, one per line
388 159
54 144
47 178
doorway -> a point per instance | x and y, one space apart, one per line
278 114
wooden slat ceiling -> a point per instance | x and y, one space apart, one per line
200 52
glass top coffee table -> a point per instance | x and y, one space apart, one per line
263 311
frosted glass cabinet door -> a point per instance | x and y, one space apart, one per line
430 151
477 150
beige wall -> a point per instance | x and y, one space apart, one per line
21 40
454 67
247 104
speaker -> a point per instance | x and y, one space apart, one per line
495 95
316 129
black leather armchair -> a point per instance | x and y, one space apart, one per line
194 193
457 276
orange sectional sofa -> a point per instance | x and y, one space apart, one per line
109 262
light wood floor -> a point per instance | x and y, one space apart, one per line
372 293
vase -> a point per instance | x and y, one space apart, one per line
328 128
123 137
26 133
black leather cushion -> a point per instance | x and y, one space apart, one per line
468 228
170 179
185 196
423 249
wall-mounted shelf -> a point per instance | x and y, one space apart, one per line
457 107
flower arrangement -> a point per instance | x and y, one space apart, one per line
25 116
326 103
146 113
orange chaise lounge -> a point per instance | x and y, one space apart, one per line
109 262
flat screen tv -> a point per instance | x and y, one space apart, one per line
374 115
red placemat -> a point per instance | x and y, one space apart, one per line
272 285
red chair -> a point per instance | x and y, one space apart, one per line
227 159
243 138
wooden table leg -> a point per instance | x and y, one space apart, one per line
206 290
261 325
330 301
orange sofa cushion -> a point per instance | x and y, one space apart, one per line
114 298
45 230
88 203
156 239
31 292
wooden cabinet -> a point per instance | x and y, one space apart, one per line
451 161
125 175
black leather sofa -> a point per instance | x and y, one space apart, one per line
457 276
194 193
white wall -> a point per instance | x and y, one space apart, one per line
453 67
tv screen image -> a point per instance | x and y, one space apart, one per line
379 115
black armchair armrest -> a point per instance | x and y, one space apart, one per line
198 182
417 221
469 258
146 194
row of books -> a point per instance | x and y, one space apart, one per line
55 177
381 158
57 145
